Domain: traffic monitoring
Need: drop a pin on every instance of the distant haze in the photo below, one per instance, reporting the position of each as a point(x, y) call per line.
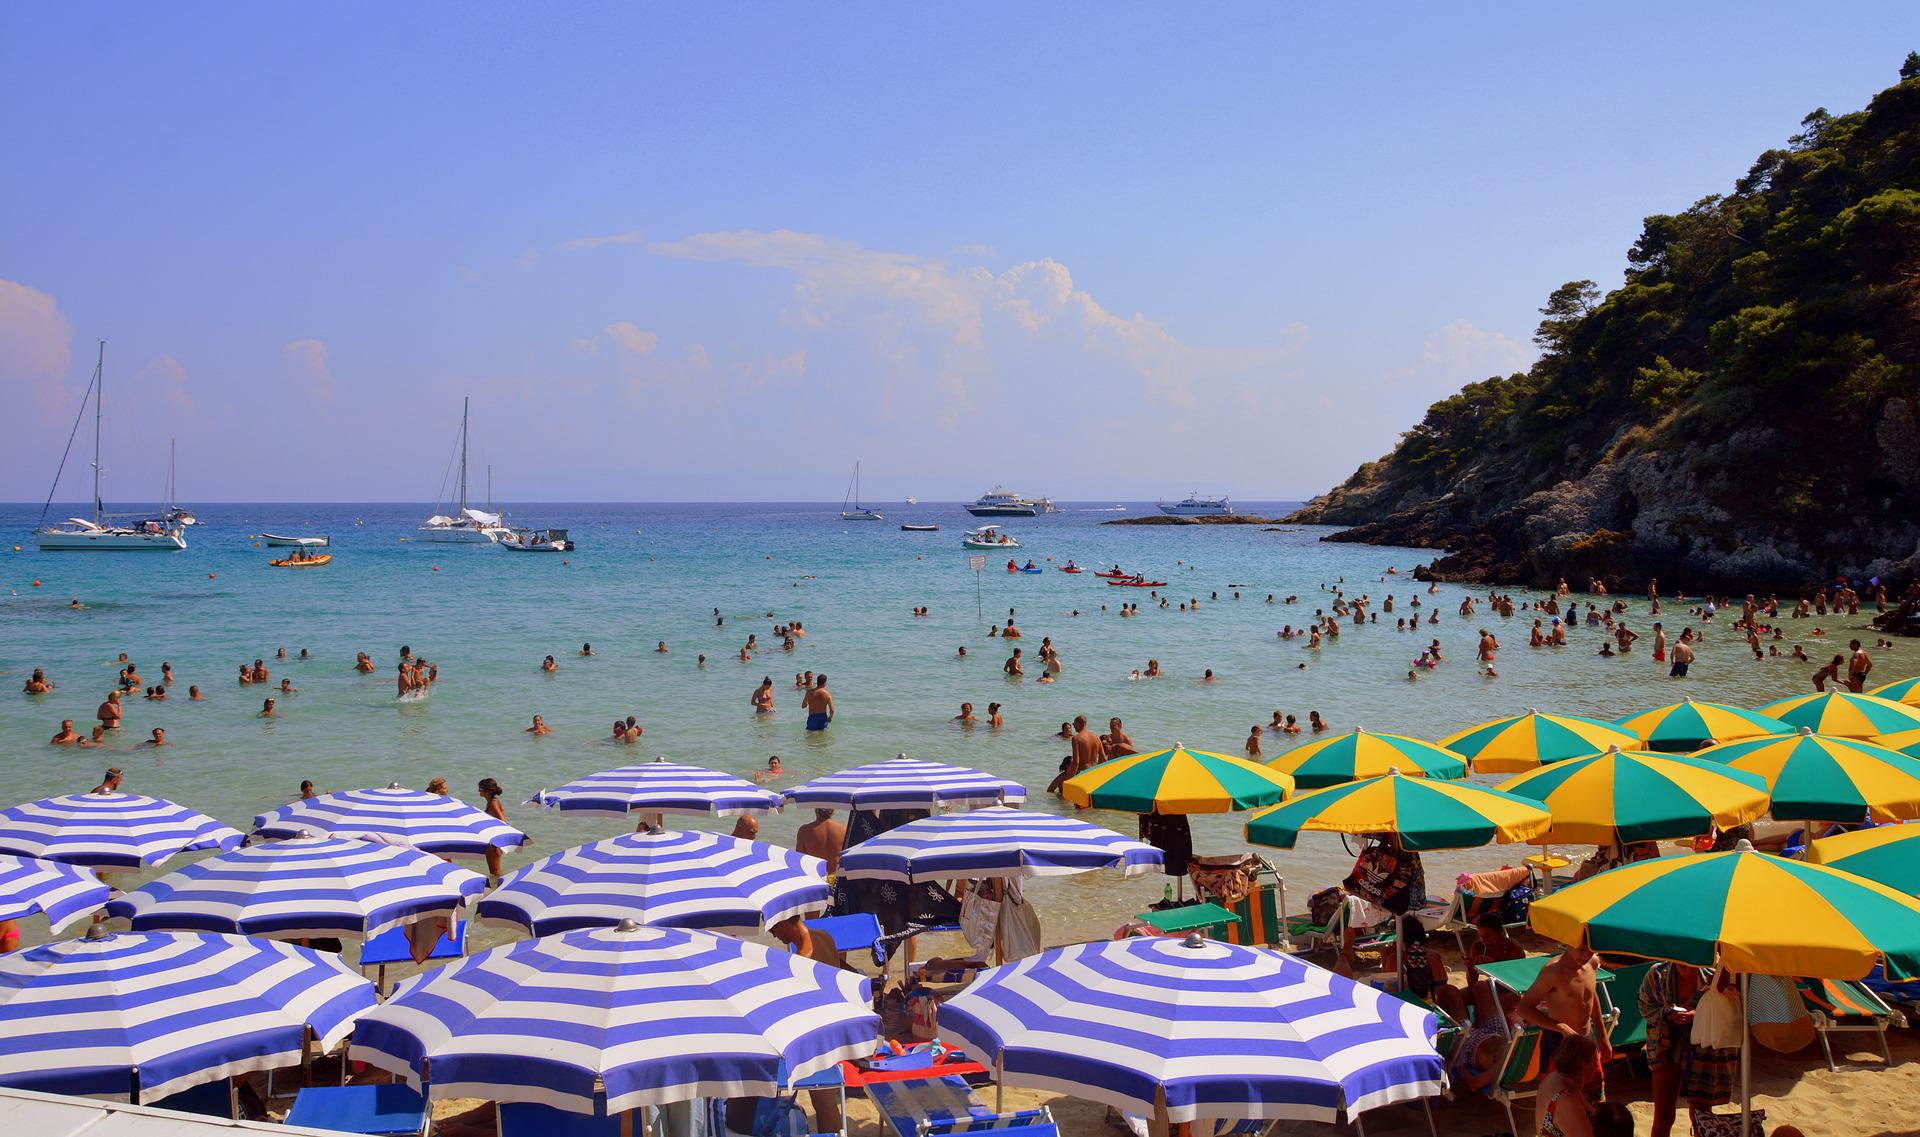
point(709, 253)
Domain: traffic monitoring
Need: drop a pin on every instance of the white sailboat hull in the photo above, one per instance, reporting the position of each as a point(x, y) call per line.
point(107, 540)
point(457, 535)
point(276, 541)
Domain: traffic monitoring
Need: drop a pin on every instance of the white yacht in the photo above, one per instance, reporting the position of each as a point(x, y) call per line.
point(466, 526)
point(98, 534)
point(1197, 506)
point(1002, 502)
point(850, 508)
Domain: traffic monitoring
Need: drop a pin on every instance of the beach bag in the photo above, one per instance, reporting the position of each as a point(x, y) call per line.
point(1777, 1014)
point(1322, 905)
point(1514, 905)
point(1718, 1020)
point(1707, 1123)
point(979, 916)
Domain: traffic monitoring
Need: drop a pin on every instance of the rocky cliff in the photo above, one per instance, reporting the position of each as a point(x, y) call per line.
point(1744, 412)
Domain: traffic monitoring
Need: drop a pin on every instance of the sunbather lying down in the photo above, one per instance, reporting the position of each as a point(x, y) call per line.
point(940, 964)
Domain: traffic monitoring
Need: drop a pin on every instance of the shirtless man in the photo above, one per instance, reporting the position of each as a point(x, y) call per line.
point(1858, 666)
point(1013, 667)
point(539, 726)
point(109, 712)
point(966, 715)
point(1564, 1001)
point(819, 704)
point(1253, 742)
point(1117, 743)
point(38, 683)
point(260, 674)
point(1682, 655)
point(1010, 632)
point(586, 650)
point(363, 663)
point(747, 828)
point(159, 737)
point(67, 736)
point(405, 680)
point(1087, 748)
point(109, 782)
point(763, 697)
point(822, 837)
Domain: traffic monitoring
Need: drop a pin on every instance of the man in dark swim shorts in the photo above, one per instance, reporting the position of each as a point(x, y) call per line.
point(819, 704)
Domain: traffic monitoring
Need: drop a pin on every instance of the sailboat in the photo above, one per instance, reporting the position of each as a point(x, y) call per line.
point(857, 512)
point(176, 512)
point(81, 534)
point(469, 526)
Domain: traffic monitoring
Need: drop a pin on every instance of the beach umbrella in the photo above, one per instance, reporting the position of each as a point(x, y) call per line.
point(148, 1014)
point(649, 1015)
point(110, 830)
point(1182, 1030)
point(1906, 742)
point(1424, 813)
point(1522, 742)
point(1363, 754)
point(1623, 796)
point(301, 888)
point(65, 893)
point(1814, 778)
point(1845, 714)
point(1887, 854)
point(699, 880)
point(431, 823)
point(995, 842)
point(1177, 780)
point(659, 786)
point(907, 783)
point(1903, 691)
point(1686, 726)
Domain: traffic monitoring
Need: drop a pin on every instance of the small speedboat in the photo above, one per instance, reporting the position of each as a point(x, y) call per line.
point(538, 541)
point(988, 537)
point(277, 541)
point(304, 560)
point(920, 528)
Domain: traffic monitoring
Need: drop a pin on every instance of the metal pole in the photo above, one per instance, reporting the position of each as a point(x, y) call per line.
point(99, 397)
point(1746, 1056)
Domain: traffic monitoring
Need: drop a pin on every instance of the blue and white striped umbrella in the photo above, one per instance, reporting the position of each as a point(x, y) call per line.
point(1224, 1031)
point(657, 1015)
point(708, 881)
point(992, 842)
point(65, 893)
point(907, 783)
point(111, 830)
point(660, 786)
point(302, 887)
point(88, 1016)
point(431, 823)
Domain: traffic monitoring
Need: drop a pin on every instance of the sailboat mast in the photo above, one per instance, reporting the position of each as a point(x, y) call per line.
point(463, 453)
point(99, 397)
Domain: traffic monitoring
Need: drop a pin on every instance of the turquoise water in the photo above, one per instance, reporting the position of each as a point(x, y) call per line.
point(646, 573)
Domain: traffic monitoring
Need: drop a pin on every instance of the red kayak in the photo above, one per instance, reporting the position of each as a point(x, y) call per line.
point(1138, 583)
point(1072, 570)
point(1112, 575)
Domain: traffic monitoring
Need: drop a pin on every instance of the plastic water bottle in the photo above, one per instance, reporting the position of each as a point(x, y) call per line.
point(1167, 896)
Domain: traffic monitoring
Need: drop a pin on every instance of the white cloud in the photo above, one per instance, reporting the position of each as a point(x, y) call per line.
point(170, 375)
point(533, 257)
point(1470, 352)
point(34, 335)
point(632, 337)
point(305, 362)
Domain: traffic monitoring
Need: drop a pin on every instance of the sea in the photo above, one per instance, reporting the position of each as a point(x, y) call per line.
point(644, 575)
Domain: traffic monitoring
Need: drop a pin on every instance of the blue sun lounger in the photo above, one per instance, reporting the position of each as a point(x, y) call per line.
point(939, 1107)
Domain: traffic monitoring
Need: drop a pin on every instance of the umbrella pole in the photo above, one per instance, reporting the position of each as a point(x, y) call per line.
point(1000, 1082)
point(1746, 1055)
point(1162, 1124)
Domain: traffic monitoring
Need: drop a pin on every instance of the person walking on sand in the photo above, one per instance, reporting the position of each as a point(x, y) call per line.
point(819, 704)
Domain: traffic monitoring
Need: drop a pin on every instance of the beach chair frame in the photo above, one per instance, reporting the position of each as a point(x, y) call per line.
point(1879, 1017)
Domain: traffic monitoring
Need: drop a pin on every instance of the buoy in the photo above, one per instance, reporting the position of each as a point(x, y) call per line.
point(16, 548)
point(210, 576)
point(36, 584)
point(566, 562)
point(436, 568)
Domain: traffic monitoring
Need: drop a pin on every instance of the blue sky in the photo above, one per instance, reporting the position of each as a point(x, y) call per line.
point(720, 251)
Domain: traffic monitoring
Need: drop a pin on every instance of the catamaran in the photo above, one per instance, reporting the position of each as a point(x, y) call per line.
point(1197, 506)
point(468, 526)
point(80, 534)
point(850, 507)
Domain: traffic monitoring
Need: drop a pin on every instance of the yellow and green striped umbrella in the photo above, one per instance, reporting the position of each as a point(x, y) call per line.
point(1845, 714)
point(1623, 796)
point(1906, 742)
point(1177, 780)
point(1686, 726)
point(1424, 813)
point(1886, 854)
point(1523, 742)
point(1905, 691)
point(1748, 911)
point(1814, 778)
point(1362, 754)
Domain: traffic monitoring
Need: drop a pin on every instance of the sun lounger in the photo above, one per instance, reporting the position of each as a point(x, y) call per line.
point(385, 1111)
point(1464, 912)
point(858, 932)
point(962, 972)
point(940, 1107)
point(1839, 1005)
point(392, 946)
point(1621, 993)
point(208, 1099)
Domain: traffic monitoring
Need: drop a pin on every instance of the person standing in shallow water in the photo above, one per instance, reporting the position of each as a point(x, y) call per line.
point(819, 704)
point(490, 792)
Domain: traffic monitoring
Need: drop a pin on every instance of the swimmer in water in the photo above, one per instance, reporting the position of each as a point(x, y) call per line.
point(762, 699)
point(539, 727)
point(67, 735)
point(993, 716)
point(1316, 722)
point(660, 648)
point(267, 711)
point(159, 737)
point(362, 663)
point(963, 651)
point(549, 665)
point(586, 649)
point(966, 714)
point(1253, 741)
point(286, 688)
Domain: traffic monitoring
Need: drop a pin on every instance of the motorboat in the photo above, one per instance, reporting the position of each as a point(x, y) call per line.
point(850, 507)
point(1002, 502)
point(280, 541)
point(466, 525)
point(920, 528)
point(1196, 506)
point(100, 534)
point(538, 541)
point(988, 537)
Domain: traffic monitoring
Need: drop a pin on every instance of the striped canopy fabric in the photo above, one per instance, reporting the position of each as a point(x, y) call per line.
point(1686, 726)
point(1423, 813)
point(1177, 780)
point(175, 1010)
point(65, 893)
point(1845, 714)
point(1624, 796)
point(1509, 745)
point(1226, 1031)
point(1813, 778)
point(659, 786)
point(1363, 754)
point(431, 823)
point(306, 886)
point(1906, 742)
point(708, 881)
point(996, 842)
point(1751, 912)
point(907, 783)
point(112, 830)
point(656, 1015)
point(1903, 691)
point(1888, 854)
